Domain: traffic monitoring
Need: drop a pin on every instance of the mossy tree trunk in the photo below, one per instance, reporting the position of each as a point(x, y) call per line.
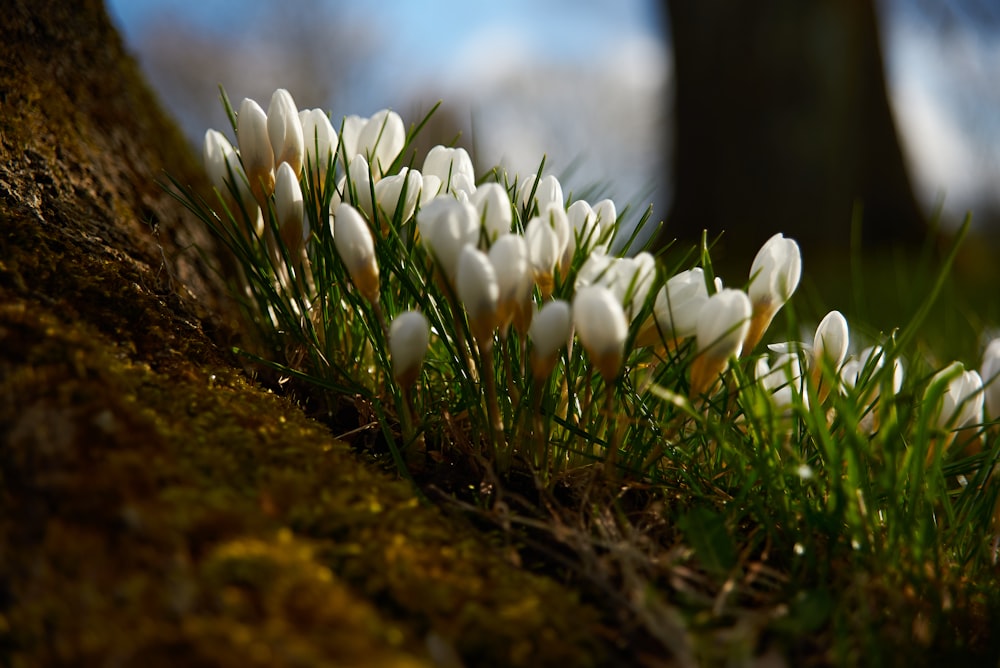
point(156, 508)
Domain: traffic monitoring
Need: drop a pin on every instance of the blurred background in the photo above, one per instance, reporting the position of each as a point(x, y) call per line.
point(734, 116)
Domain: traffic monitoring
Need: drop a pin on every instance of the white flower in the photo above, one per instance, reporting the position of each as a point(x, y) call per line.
point(350, 134)
point(782, 380)
point(284, 129)
point(409, 336)
point(445, 226)
point(723, 322)
point(389, 193)
point(678, 303)
point(320, 141)
point(381, 140)
point(831, 341)
point(453, 166)
point(961, 403)
point(493, 206)
point(509, 256)
point(585, 230)
point(356, 248)
point(601, 325)
point(545, 191)
point(358, 187)
point(543, 251)
point(477, 288)
point(774, 275)
point(990, 372)
point(551, 329)
point(632, 280)
point(222, 163)
point(288, 209)
point(255, 149)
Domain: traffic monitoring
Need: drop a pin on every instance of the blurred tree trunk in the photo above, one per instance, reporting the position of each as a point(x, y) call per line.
point(783, 125)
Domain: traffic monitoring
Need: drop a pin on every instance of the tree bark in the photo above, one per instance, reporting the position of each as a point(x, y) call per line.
point(156, 506)
point(783, 125)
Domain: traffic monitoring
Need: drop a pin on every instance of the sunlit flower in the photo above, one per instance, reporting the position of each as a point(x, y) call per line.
point(399, 193)
point(600, 323)
point(453, 166)
point(678, 303)
point(356, 248)
point(544, 252)
point(288, 209)
point(961, 403)
point(782, 380)
point(320, 140)
point(493, 206)
point(551, 329)
point(284, 129)
point(255, 149)
point(829, 349)
point(536, 194)
point(445, 226)
point(509, 255)
point(357, 189)
point(381, 140)
point(774, 275)
point(222, 163)
point(478, 291)
point(723, 322)
point(409, 336)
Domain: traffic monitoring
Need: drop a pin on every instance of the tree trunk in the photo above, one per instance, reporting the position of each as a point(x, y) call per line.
point(783, 125)
point(157, 508)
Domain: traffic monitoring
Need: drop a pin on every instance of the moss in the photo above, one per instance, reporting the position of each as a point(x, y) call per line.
point(156, 507)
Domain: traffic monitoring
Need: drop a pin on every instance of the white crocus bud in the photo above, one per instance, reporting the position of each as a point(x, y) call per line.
point(478, 291)
point(990, 373)
point(509, 256)
point(961, 403)
point(398, 193)
point(551, 329)
point(678, 303)
point(544, 252)
point(409, 337)
point(774, 275)
point(255, 149)
point(547, 190)
point(381, 140)
point(493, 206)
point(585, 231)
point(782, 380)
point(350, 134)
point(284, 129)
point(723, 322)
point(445, 226)
point(633, 279)
point(356, 247)
point(431, 188)
point(358, 189)
point(320, 141)
point(288, 209)
point(222, 163)
point(453, 166)
point(600, 323)
point(829, 349)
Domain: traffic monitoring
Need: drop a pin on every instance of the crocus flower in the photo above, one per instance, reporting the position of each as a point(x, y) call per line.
point(284, 129)
point(509, 256)
point(381, 140)
point(493, 206)
point(358, 187)
point(961, 403)
point(774, 275)
point(445, 226)
point(478, 291)
point(222, 163)
point(453, 166)
point(356, 248)
point(320, 141)
point(544, 252)
point(723, 322)
point(255, 149)
point(829, 349)
point(782, 380)
point(547, 190)
point(409, 336)
point(551, 329)
point(585, 231)
point(288, 209)
point(600, 322)
point(990, 372)
point(678, 303)
point(398, 193)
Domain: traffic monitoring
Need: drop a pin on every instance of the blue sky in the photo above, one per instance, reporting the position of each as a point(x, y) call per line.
point(581, 79)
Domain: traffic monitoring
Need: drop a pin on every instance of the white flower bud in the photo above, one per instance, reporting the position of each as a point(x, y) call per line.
point(222, 163)
point(284, 129)
point(320, 141)
point(961, 404)
point(551, 329)
point(453, 166)
point(409, 337)
point(601, 325)
point(678, 303)
point(445, 226)
point(991, 377)
point(493, 206)
point(359, 185)
point(543, 252)
point(381, 140)
point(288, 209)
point(509, 256)
point(723, 321)
point(356, 248)
point(774, 275)
point(478, 291)
point(255, 149)
point(547, 190)
point(389, 193)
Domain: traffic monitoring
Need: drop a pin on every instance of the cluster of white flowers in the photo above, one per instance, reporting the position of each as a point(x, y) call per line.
point(507, 255)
